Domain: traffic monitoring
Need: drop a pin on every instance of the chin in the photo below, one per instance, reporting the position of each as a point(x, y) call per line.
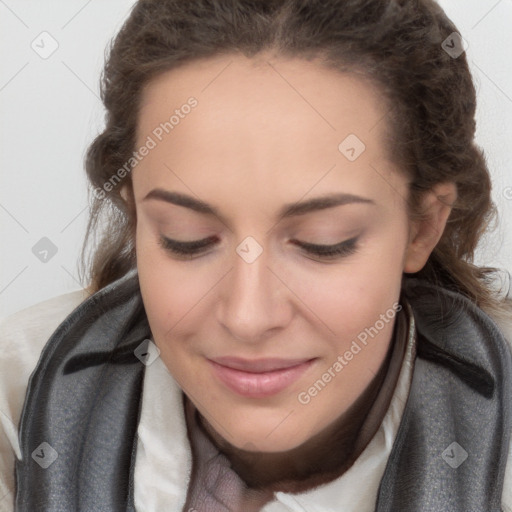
point(270, 437)
point(262, 445)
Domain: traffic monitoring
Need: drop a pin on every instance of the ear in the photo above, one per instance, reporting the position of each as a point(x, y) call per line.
point(425, 233)
point(124, 193)
point(128, 196)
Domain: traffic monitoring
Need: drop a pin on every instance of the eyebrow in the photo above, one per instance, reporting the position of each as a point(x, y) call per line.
point(288, 210)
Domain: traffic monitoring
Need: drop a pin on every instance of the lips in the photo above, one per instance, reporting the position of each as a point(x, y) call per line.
point(258, 378)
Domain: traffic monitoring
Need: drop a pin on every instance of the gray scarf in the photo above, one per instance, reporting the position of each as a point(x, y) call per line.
point(84, 400)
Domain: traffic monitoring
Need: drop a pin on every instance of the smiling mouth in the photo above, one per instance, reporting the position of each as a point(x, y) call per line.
point(258, 378)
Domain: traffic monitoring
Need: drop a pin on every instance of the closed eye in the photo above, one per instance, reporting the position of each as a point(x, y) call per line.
point(330, 251)
point(188, 250)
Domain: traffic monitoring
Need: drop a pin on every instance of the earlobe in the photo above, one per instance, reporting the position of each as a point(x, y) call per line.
point(426, 233)
point(128, 197)
point(124, 193)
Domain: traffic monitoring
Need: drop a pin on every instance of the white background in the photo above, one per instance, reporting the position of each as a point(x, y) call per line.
point(50, 111)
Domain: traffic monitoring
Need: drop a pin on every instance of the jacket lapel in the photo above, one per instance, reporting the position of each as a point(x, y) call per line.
point(79, 420)
point(452, 443)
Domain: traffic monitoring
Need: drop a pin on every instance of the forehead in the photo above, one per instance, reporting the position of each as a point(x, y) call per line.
point(269, 89)
point(264, 118)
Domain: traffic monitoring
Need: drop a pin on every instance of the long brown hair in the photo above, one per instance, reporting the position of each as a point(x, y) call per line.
point(396, 44)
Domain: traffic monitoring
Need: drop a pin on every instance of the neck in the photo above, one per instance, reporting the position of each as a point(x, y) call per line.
point(331, 452)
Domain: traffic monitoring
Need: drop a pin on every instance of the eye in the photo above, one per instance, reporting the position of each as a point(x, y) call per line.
point(339, 250)
point(186, 249)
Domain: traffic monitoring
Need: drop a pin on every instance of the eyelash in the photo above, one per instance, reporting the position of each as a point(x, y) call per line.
point(187, 250)
point(340, 250)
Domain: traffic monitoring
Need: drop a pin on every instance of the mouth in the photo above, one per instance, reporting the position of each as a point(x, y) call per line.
point(258, 378)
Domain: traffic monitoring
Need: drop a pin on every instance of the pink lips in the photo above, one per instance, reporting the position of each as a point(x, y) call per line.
point(258, 378)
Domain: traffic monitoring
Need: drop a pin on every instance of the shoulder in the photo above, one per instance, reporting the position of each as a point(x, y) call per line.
point(504, 323)
point(43, 314)
point(23, 336)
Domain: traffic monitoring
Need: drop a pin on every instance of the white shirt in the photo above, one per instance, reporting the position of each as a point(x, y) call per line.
point(162, 469)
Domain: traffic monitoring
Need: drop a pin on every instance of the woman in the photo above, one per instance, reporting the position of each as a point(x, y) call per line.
point(283, 314)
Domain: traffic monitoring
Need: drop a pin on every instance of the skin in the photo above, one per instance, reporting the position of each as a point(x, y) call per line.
point(265, 133)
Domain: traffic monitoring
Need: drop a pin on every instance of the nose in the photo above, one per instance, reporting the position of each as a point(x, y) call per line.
point(253, 304)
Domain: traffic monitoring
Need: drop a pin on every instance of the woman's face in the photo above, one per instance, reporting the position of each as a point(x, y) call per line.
point(271, 341)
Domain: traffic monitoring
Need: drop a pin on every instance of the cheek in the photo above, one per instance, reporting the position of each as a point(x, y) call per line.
point(171, 299)
point(353, 294)
point(357, 304)
point(167, 292)
point(177, 297)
